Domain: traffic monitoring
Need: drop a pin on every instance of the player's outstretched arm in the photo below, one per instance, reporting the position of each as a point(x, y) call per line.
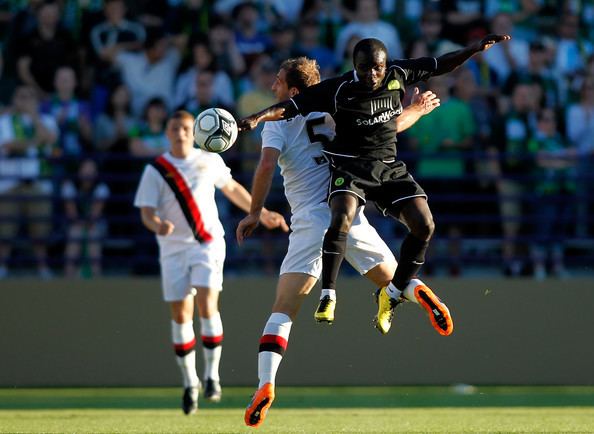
point(282, 110)
point(420, 105)
point(450, 61)
point(260, 188)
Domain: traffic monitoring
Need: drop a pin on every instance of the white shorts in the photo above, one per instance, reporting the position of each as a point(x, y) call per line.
point(365, 248)
point(197, 266)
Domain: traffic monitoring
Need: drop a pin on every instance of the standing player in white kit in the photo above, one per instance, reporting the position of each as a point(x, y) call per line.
point(296, 145)
point(176, 197)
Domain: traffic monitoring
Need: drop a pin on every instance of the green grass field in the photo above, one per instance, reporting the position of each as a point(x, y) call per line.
point(303, 410)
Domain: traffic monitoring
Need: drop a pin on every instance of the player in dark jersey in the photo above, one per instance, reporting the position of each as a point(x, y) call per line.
point(364, 164)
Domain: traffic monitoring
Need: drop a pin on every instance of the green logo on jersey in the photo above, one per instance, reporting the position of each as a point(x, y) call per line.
point(393, 85)
point(339, 182)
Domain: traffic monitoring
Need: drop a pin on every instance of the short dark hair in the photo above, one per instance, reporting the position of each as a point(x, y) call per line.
point(301, 72)
point(368, 46)
point(182, 115)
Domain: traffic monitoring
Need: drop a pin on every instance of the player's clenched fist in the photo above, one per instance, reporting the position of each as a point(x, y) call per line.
point(165, 228)
point(273, 220)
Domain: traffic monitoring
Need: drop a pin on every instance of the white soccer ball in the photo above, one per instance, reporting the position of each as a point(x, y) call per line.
point(215, 130)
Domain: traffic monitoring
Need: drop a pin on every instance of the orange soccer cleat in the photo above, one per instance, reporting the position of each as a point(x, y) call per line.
point(438, 312)
point(255, 413)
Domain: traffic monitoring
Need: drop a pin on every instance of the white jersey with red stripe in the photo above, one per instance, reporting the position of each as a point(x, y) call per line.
point(303, 166)
point(202, 172)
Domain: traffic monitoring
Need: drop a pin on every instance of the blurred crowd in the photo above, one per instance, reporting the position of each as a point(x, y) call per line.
point(86, 87)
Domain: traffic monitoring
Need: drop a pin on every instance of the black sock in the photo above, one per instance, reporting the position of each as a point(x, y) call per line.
point(333, 250)
point(412, 257)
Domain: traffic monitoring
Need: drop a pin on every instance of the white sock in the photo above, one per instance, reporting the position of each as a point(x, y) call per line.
point(393, 292)
point(409, 291)
point(211, 330)
point(328, 292)
point(184, 344)
point(273, 344)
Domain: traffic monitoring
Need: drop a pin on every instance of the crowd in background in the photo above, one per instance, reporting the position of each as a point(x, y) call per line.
point(86, 87)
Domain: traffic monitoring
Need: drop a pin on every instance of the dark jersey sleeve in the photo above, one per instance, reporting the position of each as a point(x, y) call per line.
point(319, 97)
point(419, 69)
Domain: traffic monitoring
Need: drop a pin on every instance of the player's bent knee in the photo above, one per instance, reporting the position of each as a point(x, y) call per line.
point(424, 230)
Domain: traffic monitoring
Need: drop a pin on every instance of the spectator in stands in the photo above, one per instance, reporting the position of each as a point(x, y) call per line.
point(486, 78)
point(430, 42)
point(19, 24)
point(26, 136)
point(250, 40)
point(554, 186)
point(73, 118)
point(202, 60)
point(108, 38)
point(537, 71)
point(483, 162)
point(258, 95)
point(572, 52)
point(111, 138)
point(282, 45)
point(41, 52)
point(462, 18)
point(206, 95)
point(515, 53)
point(309, 45)
point(224, 48)
point(347, 61)
point(84, 200)
point(150, 73)
point(580, 132)
point(366, 23)
point(148, 138)
point(112, 127)
point(515, 167)
point(443, 140)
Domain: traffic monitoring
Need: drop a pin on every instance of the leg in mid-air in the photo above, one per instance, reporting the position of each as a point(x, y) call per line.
point(343, 206)
point(416, 215)
point(211, 334)
point(184, 345)
point(290, 292)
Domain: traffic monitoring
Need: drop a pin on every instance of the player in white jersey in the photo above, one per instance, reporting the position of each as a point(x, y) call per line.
point(296, 145)
point(176, 197)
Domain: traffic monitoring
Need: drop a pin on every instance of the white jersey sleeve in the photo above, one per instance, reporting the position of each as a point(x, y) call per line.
point(222, 170)
point(273, 137)
point(149, 188)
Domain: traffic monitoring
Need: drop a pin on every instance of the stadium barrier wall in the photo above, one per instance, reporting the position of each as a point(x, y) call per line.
point(116, 332)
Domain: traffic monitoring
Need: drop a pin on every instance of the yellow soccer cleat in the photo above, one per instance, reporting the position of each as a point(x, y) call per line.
point(325, 310)
point(385, 310)
point(438, 312)
point(255, 413)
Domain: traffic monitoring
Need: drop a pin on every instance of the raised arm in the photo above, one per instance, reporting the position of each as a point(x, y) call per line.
point(420, 105)
point(282, 110)
point(450, 61)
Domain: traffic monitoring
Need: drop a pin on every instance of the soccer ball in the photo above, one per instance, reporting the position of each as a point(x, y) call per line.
point(215, 130)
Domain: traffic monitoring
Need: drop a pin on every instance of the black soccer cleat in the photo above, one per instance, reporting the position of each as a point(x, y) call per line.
point(212, 390)
point(190, 400)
